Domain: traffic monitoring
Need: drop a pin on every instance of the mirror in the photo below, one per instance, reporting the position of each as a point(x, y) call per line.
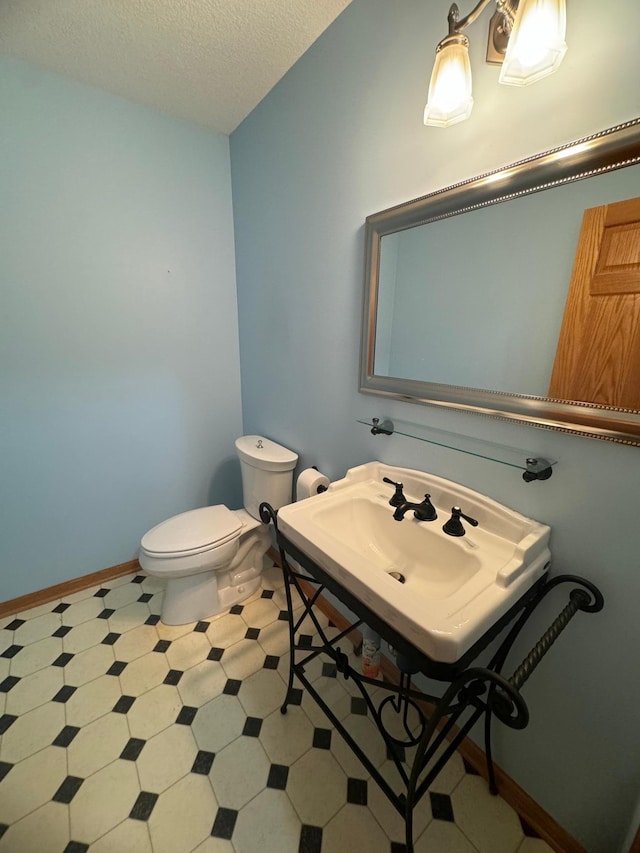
point(465, 288)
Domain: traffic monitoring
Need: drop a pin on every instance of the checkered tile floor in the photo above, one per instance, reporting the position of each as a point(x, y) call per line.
point(119, 734)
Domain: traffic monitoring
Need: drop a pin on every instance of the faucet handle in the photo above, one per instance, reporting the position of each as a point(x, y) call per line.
point(454, 526)
point(426, 510)
point(398, 498)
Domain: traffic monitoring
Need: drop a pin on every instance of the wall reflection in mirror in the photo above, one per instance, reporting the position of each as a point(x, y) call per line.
point(478, 299)
point(465, 290)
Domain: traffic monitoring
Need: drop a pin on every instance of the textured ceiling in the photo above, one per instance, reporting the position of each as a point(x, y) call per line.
point(209, 61)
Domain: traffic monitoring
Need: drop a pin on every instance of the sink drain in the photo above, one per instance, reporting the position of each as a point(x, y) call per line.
point(397, 576)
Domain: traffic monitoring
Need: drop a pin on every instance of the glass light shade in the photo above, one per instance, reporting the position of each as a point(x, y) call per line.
point(450, 98)
point(536, 46)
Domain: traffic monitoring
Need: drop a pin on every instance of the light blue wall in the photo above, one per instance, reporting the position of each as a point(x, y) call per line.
point(119, 378)
point(341, 137)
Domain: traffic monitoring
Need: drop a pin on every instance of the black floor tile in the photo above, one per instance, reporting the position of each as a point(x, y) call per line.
point(132, 749)
point(396, 847)
point(322, 738)
point(101, 593)
point(117, 667)
point(329, 670)
point(14, 625)
point(6, 720)
point(202, 627)
point(105, 614)
point(295, 696)
point(305, 641)
point(62, 631)
point(143, 806)
point(138, 579)
point(63, 659)
point(232, 687)
point(64, 694)
point(236, 609)
point(11, 652)
point(441, 806)
point(60, 608)
point(9, 682)
point(252, 727)
point(278, 775)
point(267, 593)
point(283, 616)
point(203, 762)
point(224, 823)
point(215, 654)
point(3, 828)
point(187, 715)
point(5, 767)
point(123, 704)
point(252, 633)
point(110, 639)
point(152, 620)
point(271, 662)
point(358, 706)
point(66, 735)
point(146, 596)
point(357, 792)
point(173, 676)
point(76, 847)
point(162, 645)
point(310, 839)
point(67, 791)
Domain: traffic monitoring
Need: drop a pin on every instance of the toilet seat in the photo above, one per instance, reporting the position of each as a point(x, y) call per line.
point(192, 532)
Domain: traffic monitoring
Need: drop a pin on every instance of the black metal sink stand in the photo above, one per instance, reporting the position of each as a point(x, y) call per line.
point(473, 691)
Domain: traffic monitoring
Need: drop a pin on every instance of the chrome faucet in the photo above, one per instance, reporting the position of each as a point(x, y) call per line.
point(424, 511)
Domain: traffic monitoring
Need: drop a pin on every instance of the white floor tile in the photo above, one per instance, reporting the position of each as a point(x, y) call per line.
point(202, 683)
point(286, 737)
point(35, 656)
point(92, 700)
point(317, 787)
point(239, 772)
point(46, 828)
point(34, 690)
point(154, 711)
point(93, 812)
point(268, 824)
point(243, 659)
point(130, 836)
point(37, 629)
point(354, 828)
point(488, 822)
point(183, 815)
point(166, 757)
point(218, 723)
point(32, 732)
point(31, 783)
point(97, 744)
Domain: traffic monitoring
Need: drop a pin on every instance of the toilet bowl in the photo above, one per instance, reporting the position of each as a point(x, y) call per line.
point(211, 558)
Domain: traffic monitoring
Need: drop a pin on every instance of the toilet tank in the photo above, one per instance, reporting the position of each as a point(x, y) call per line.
point(267, 472)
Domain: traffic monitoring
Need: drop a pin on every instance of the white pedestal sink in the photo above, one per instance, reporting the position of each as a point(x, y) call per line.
point(455, 588)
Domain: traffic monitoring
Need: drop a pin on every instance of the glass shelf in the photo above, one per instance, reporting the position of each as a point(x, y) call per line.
point(533, 466)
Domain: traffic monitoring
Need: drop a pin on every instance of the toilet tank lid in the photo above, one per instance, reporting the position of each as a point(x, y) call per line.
point(265, 454)
point(196, 529)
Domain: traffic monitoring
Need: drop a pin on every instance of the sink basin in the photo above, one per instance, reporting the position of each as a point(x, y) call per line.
point(454, 589)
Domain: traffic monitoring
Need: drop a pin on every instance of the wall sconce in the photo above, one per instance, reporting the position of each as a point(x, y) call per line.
point(526, 37)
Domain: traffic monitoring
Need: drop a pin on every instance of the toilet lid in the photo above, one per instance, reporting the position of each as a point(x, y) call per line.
point(196, 530)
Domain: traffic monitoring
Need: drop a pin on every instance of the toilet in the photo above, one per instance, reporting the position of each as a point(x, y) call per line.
point(211, 558)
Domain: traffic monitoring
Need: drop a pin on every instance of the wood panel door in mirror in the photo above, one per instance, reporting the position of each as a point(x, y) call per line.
point(598, 354)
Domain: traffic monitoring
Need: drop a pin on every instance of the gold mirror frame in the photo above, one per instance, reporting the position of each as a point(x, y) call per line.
point(614, 148)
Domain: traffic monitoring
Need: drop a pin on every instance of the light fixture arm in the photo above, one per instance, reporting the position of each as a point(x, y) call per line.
point(507, 8)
